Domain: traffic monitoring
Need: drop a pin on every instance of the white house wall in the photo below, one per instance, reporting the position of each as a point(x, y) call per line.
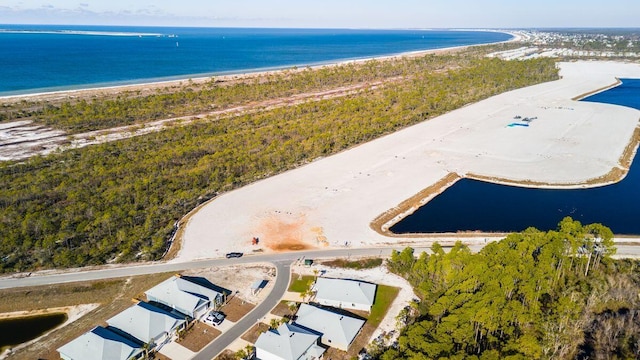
point(343, 305)
point(265, 355)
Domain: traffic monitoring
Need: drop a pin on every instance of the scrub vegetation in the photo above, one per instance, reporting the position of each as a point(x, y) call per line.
point(360, 264)
point(119, 201)
point(532, 295)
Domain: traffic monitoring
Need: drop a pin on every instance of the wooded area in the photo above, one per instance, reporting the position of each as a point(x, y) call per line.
point(119, 201)
point(532, 295)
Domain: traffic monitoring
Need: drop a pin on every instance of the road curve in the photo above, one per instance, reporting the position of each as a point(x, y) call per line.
point(283, 275)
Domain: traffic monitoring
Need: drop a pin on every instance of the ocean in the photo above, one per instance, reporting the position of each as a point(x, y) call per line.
point(42, 58)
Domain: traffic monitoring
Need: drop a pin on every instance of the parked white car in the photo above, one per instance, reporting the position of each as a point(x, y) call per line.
point(214, 318)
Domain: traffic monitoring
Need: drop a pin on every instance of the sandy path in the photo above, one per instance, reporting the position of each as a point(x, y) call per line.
point(332, 201)
point(23, 139)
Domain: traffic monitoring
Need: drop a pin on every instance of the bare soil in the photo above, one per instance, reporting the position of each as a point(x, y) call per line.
point(226, 355)
point(237, 308)
point(238, 280)
point(279, 234)
point(252, 334)
point(282, 310)
point(198, 336)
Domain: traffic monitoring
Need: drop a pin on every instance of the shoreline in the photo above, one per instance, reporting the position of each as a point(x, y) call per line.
point(242, 74)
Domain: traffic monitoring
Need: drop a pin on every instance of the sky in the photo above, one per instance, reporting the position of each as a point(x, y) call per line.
point(379, 14)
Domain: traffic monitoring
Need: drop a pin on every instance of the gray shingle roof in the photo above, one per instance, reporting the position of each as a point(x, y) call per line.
point(181, 294)
point(289, 342)
point(145, 322)
point(101, 344)
point(338, 330)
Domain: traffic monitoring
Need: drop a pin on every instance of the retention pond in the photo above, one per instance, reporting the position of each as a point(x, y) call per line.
point(17, 330)
point(471, 205)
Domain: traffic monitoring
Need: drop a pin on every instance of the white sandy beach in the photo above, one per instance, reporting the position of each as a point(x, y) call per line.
point(332, 201)
point(97, 89)
point(22, 139)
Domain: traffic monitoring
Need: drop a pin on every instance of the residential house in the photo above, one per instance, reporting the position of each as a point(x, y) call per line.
point(337, 330)
point(345, 294)
point(147, 323)
point(288, 342)
point(101, 344)
point(186, 296)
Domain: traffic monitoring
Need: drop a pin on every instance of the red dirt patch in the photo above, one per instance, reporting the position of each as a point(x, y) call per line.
point(285, 233)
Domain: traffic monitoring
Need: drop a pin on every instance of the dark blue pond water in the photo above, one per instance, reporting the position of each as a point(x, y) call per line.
point(14, 331)
point(476, 205)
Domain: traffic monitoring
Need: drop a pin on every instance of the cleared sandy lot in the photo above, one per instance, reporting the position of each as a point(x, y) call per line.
point(332, 201)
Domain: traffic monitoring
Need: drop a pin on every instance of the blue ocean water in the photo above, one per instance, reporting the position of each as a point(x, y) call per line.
point(475, 205)
point(37, 58)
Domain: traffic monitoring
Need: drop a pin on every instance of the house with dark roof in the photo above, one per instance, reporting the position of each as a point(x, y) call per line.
point(185, 296)
point(147, 323)
point(101, 344)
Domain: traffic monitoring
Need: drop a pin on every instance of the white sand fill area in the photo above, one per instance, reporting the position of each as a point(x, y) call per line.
point(331, 202)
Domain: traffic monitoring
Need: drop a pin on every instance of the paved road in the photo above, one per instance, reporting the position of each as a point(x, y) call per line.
point(283, 275)
point(632, 251)
point(282, 262)
point(116, 272)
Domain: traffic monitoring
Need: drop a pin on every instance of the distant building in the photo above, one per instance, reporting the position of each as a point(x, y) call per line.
point(101, 344)
point(288, 342)
point(185, 296)
point(257, 286)
point(337, 330)
point(346, 294)
point(147, 323)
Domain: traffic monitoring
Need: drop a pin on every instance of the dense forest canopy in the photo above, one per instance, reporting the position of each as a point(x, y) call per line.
point(119, 201)
point(532, 295)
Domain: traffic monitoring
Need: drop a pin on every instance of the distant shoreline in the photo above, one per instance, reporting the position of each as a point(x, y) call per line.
point(178, 80)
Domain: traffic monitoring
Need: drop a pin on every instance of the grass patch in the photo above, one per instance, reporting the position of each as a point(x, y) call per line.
point(384, 297)
point(301, 283)
point(366, 263)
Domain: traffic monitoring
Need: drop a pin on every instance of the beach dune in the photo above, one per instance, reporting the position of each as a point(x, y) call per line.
point(331, 202)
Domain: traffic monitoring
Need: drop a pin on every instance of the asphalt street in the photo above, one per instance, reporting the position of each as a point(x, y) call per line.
point(75, 275)
point(225, 339)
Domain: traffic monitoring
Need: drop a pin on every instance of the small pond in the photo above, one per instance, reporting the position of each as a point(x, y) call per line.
point(15, 331)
